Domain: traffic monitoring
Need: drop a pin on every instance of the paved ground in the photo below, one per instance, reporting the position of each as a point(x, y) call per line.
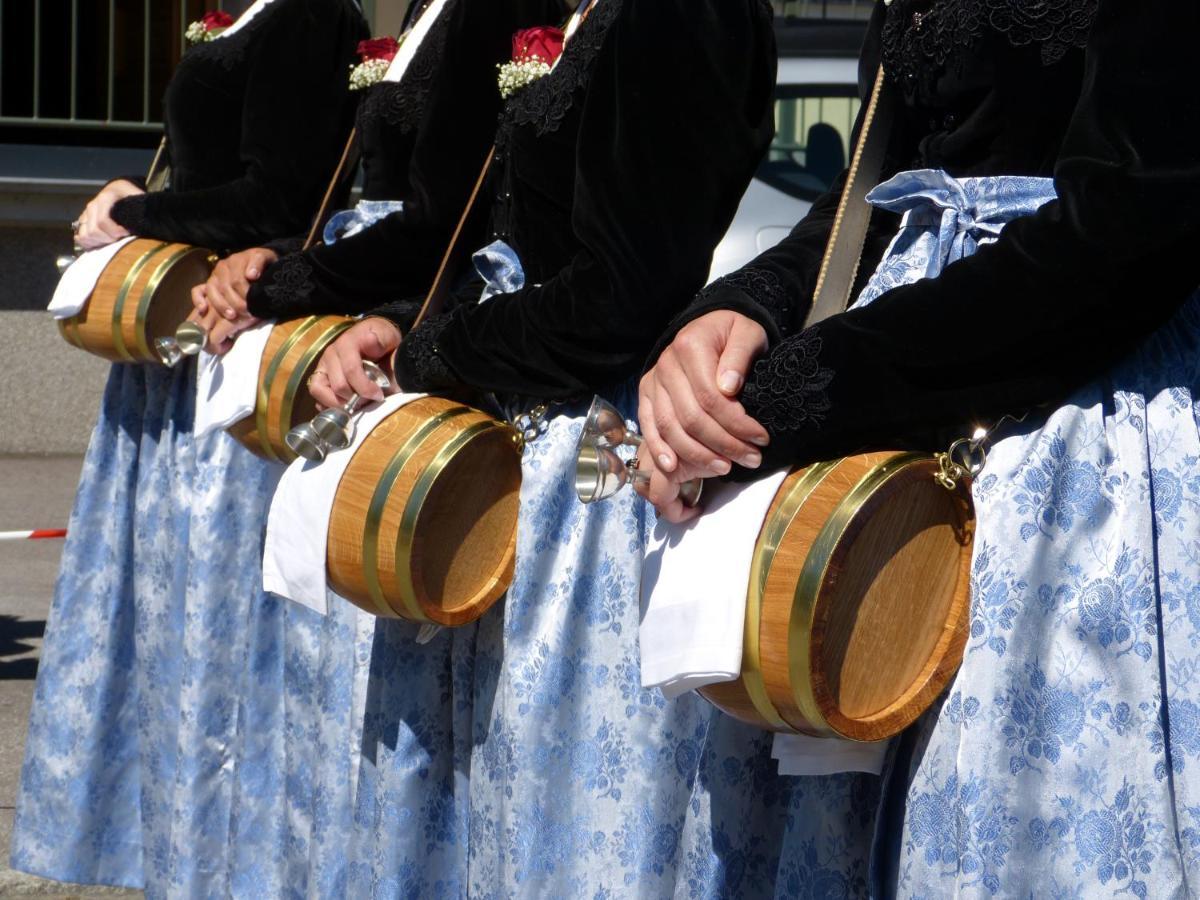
point(56, 411)
point(34, 493)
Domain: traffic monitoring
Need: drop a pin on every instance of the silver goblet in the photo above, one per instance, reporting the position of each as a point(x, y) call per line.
point(332, 429)
point(189, 340)
point(600, 472)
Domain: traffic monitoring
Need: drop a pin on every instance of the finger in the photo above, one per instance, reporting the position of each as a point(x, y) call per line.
point(226, 300)
point(335, 376)
point(351, 360)
point(110, 229)
point(260, 258)
point(658, 449)
point(704, 431)
point(747, 341)
point(321, 390)
point(664, 495)
point(686, 449)
point(220, 338)
point(200, 299)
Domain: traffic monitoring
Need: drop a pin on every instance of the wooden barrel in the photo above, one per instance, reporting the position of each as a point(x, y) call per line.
point(424, 523)
point(858, 603)
point(292, 353)
point(144, 293)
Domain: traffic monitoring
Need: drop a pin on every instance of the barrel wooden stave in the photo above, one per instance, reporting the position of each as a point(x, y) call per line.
point(143, 293)
point(842, 591)
point(447, 559)
point(292, 353)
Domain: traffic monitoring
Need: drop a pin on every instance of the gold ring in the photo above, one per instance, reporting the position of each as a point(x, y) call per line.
point(309, 381)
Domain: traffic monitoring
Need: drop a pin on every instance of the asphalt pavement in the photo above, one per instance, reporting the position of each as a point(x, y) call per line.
point(35, 492)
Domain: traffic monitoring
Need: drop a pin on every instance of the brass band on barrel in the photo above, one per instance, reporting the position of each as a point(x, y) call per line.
point(812, 578)
point(310, 355)
point(416, 500)
point(118, 309)
point(764, 556)
point(147, 296)
point(262, 407)
point(374, 518)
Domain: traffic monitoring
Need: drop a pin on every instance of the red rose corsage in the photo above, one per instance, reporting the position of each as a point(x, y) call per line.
point(208, 26)
point(535, 51)
point(376, 57)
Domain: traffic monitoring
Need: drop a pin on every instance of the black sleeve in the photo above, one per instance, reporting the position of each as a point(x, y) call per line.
point(1060, 297)
point(676, 117)
point(776, 288)
point(297, 114)
point(399, 255)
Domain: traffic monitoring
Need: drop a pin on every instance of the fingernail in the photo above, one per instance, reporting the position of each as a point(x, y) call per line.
point(752, 460)
point(760, 441)
point(720, 467)
point(730, 382)
point(665, 462)
point(252, 272)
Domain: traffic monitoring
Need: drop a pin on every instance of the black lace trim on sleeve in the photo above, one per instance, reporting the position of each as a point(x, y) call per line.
point(787, 391)
point(922, 39)
point(763, 286)
point(419, 364)
point(289, 280)
point(545, 103)
point(402, 103)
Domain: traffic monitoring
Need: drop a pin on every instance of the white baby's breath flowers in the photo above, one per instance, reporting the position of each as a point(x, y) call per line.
point(368, 73)
point(198, 33)
point(517, 75)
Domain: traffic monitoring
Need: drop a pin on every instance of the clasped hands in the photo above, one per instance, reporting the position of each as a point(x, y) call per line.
point(219, 305)
point(692, 421)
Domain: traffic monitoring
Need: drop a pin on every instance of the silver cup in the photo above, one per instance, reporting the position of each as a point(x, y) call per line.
point(332, 429)
point(600, 472)
point(189, 340)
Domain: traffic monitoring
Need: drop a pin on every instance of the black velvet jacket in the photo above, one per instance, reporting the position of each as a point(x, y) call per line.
point(616, 175)
point(255, 124)
point(1097, 94)
point(423, 141)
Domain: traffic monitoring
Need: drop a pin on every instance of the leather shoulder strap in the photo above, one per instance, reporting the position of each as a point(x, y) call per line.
point(844, 251)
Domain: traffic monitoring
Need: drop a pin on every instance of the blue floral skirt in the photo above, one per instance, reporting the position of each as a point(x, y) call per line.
point(138, 713)
point(1064, 760)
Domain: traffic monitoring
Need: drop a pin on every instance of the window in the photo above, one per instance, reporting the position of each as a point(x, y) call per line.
point(813, 124)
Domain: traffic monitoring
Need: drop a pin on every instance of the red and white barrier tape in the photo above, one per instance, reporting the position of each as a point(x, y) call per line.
point(37, 534)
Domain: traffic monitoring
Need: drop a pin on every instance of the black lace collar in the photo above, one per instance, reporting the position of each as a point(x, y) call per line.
point(230, 51)
point(546, 102)
point(923, 38)
point(402, 103)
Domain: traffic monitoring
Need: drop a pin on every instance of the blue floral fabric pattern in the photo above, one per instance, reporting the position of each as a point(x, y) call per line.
point(138, 704)
point(1060, 763)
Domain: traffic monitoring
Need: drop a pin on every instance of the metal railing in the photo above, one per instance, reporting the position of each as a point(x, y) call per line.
point(91, 63)
point(824, 9)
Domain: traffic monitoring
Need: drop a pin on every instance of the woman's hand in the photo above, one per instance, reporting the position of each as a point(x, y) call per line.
point(229, 284)
point(340, 373)
point(96, 226)
point(693, 424)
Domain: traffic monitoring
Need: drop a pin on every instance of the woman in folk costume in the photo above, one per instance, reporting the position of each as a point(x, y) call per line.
point(1043, 268)
point(136, 702)
point(424, 138)
point(520, 756)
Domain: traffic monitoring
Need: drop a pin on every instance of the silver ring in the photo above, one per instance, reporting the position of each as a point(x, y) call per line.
point(75, 226)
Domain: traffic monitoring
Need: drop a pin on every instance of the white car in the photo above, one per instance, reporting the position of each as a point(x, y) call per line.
point(816, 101)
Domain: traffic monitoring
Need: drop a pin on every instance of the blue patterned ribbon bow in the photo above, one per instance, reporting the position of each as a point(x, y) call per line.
point(349, 222)
point(947, 219)
point(500, 267)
